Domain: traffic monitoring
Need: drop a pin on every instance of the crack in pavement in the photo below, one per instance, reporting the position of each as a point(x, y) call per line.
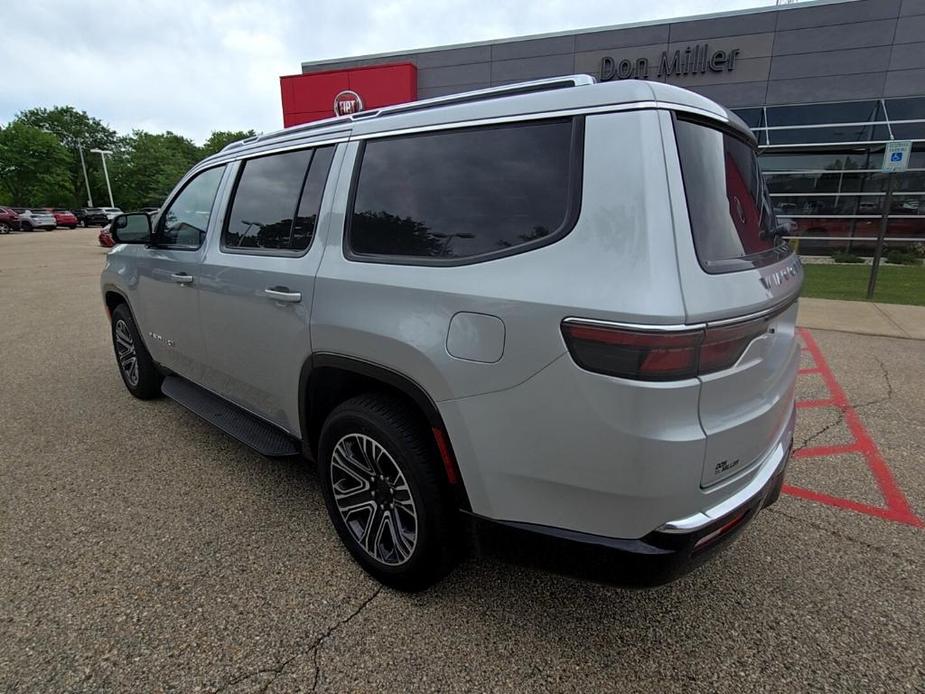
point(314, 650)
point(878, 549)
point(841, 409)
point(316, 647)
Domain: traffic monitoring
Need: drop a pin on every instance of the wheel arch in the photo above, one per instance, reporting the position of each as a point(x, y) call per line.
point(327, 379)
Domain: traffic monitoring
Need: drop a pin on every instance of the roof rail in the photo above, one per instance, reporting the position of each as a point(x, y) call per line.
point(515, 89)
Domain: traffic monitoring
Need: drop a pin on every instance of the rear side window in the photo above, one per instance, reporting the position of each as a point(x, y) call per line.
point(276, 201)
point(731, 216)
point(456, 196)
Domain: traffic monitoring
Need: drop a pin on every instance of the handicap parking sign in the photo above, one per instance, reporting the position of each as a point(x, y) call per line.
point(896, 156)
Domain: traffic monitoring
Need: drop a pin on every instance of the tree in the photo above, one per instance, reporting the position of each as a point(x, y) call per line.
point(33, 166)
point(146, 166)
point(72, 128)
point(218, 139)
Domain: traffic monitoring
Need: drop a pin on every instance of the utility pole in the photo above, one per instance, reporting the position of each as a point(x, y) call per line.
point(103, 153)
point(83, 165)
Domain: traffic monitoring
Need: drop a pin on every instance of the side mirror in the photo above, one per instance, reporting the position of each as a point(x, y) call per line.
point(134, 227)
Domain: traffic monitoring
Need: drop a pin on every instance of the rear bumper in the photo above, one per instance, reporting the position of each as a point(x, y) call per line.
point(663, 555)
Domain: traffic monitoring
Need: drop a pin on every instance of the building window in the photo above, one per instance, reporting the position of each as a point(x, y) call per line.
point(822, 166)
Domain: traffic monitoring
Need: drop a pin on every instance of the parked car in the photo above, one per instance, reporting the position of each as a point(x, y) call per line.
point(34, 218)
point(111, 212)
point(64, 218)
point(558, 307)
point(105, 237)
point(93, 216)
point(9, 220)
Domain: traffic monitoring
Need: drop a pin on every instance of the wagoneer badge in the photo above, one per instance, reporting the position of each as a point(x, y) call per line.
point(776, 279)
point(347, 102)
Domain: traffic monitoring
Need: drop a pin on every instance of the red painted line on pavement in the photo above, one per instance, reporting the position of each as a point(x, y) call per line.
point(897, 507)
point(838, 502)
point(806, 404)
point(810, 370)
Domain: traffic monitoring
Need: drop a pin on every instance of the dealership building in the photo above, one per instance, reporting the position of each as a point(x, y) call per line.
point(825, 85)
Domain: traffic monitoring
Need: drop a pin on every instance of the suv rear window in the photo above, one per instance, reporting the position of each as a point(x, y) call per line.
point(480, 192)
point(731, 216)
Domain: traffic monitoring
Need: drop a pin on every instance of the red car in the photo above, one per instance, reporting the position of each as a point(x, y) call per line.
point(9, 220)
point(105, 238)
point(64, 218)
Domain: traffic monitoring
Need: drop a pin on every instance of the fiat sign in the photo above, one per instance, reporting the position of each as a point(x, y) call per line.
point(347, 102)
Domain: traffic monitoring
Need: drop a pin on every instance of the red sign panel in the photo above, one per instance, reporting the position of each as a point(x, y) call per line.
point(312, 96)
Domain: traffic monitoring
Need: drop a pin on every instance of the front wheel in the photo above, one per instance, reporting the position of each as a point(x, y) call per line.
point(136, 366)
point(384, 490)
point(5, 228)
point(26, 226)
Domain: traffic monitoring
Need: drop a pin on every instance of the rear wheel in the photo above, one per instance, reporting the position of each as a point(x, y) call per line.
point(5, 228)
point(136, 366)
point(384, 491)
point(26, 226)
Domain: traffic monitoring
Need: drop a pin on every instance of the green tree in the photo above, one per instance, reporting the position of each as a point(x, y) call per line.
point(75, 128)
point(146, 166)
point(33, 166)
point(218, 139)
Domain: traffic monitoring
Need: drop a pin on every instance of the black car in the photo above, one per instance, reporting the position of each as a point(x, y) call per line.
point(92, 216)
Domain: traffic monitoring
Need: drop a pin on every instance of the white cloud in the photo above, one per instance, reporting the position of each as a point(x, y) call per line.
point(195, 66)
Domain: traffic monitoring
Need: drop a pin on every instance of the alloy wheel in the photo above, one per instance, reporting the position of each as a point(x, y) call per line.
point(373, 499)
point(125, 352)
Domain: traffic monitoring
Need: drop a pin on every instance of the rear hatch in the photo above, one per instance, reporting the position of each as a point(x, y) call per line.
point(740, 279)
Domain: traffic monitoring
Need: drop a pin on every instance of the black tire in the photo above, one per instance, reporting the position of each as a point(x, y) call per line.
point(394, 426)
point(26, 226)
point(141, 378)
point(4, 228)
point(71, 226)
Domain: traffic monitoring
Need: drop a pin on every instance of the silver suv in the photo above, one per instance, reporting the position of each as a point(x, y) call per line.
point(560, 309)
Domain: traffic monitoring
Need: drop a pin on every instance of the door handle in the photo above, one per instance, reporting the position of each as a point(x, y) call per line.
point(283, 294)
point(182, 278)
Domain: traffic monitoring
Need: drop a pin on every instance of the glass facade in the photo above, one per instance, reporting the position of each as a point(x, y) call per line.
point(822, 166)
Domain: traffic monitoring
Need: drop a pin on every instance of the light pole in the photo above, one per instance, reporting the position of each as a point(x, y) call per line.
point(103, 153)
point(83, 165)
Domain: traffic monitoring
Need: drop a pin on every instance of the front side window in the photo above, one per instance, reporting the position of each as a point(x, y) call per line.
point(185, 221)
point(478, 192)
point(276, 201)
point(732, 219)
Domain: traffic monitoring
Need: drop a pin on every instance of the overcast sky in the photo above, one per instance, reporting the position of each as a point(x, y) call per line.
point(193, 66)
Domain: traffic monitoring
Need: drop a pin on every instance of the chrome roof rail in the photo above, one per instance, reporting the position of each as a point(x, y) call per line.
point(515, 89)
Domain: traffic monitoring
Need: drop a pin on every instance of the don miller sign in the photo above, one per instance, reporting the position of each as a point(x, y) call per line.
point(693, 60)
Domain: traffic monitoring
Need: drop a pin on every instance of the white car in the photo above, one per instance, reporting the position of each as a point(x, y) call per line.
point(112, 212)
point(31, 219)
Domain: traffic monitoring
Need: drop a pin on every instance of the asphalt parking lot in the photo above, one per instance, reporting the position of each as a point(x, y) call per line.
point(143, 550)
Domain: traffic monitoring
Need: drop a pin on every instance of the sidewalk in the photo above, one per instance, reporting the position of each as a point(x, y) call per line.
point(867, 318)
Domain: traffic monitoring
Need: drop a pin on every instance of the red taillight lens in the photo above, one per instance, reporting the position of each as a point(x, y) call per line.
point(635, 354)
point(655, 355)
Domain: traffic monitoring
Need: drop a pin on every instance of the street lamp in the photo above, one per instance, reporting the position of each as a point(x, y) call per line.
point(103, 153)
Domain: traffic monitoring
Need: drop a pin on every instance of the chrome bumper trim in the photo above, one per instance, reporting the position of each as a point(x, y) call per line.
point(768, 470)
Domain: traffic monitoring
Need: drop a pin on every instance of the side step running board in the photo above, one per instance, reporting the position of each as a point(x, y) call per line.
point(245, 427)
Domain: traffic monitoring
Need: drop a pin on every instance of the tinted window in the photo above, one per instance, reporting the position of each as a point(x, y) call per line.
point(730, 211)
point(464, 193)
point(303, 229)
point(265, 201)
point(276, 204)
point(845, 112)
point(187, 218)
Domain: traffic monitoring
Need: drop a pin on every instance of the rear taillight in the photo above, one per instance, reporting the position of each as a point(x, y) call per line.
point(653, 355)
